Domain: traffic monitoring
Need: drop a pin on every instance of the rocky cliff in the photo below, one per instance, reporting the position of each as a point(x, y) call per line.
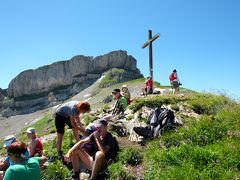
point(34, 89)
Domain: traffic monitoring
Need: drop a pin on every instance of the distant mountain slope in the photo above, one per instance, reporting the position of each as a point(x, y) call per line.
point(35, 89)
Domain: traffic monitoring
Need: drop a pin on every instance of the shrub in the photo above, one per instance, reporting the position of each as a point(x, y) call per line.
point(87, 118)
point(208, 103)
point(130, 156)
point(112, 76)
point(156, 101)
point(56, 171)
point(175, 107)
point(117, 172)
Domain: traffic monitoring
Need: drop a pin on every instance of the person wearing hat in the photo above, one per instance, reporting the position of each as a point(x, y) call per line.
point(126, 93)
point(68, 113)
point(8, 140)
point(35, 146)
point(24, 168)
point(120, 104)
point(104, 147)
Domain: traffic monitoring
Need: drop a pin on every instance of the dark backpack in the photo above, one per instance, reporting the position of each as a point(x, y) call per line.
point(113, 151)
point(158, 119)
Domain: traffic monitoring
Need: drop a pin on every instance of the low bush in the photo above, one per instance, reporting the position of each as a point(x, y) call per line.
point(56, 171)
point(117, 172)
point(130, 156)
point(210, 104)
point(156, 101)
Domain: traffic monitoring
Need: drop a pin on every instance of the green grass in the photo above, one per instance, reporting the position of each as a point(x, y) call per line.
point(111, 77)
point(203, 149)
point(43, 127)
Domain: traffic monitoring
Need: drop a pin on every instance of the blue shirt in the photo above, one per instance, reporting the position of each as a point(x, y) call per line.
point(10, 161)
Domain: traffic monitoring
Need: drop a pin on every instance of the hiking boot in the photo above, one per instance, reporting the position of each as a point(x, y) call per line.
point(60, 156)
point(75, 175)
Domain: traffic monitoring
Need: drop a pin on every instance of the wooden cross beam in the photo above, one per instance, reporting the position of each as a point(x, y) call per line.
point(149, 44)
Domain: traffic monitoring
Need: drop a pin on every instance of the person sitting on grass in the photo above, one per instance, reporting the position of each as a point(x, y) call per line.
point(24, 168)
point(120, 104)
point(8, 140)
point(126, 93)
point(35, 146)
point(105, 147)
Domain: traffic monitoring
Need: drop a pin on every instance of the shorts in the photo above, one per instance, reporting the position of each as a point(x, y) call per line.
point(175, 84)
point(60, 122)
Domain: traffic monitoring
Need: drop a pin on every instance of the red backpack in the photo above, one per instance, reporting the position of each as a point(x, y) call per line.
point(171, 77)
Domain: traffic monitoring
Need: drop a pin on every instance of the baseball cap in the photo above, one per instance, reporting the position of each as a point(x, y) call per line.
point(30, 130)
point(116, 91)
point(124, 86)
point(101, 122)
point(8, 140)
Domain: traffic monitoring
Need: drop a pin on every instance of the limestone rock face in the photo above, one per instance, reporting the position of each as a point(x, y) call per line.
point(67, 73)
point(3, 93)
point(42, 87)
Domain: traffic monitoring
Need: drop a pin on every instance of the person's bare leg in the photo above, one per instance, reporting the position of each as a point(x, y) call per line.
point(98, 164)
point(80, 154)
point(59, 141)
point(75, 134)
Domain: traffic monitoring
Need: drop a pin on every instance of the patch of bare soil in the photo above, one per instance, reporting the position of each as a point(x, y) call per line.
point(124, 142)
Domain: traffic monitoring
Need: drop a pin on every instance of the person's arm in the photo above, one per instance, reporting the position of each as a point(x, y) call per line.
point(76, 123)
point(124, 103)
point(4, 165)
point(73, 121)
point(115, 108)
point(9, 175)
point(80, 143)
point(101, 148)
point(32, 147)
point(43, 159)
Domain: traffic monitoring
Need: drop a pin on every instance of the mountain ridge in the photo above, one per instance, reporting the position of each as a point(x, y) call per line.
point(35, 89)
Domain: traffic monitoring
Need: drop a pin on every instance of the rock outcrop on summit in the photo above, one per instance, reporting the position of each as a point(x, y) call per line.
point(34, 89)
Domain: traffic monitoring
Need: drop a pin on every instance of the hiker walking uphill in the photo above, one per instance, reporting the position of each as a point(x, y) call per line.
point(174, 81)
point(68, 113)
point(120, 104)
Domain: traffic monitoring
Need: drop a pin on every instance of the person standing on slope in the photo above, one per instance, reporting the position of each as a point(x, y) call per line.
point(68, 113)
point(174, 81)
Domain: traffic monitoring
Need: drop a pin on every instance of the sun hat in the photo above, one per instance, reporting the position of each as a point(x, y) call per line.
point(124, 86)
point(30, 130)
point(8, 140)
point(116, 91)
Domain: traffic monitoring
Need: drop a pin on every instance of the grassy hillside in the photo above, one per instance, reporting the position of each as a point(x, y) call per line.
point(203, 148)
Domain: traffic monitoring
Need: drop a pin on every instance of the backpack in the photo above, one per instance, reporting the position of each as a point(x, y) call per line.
point(158, 119)
point(112, 155)
point(171, 77)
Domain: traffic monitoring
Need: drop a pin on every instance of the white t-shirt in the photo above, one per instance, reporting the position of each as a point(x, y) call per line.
point(176, 77)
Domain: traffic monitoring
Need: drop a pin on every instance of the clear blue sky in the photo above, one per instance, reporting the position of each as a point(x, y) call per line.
point(200, 38)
